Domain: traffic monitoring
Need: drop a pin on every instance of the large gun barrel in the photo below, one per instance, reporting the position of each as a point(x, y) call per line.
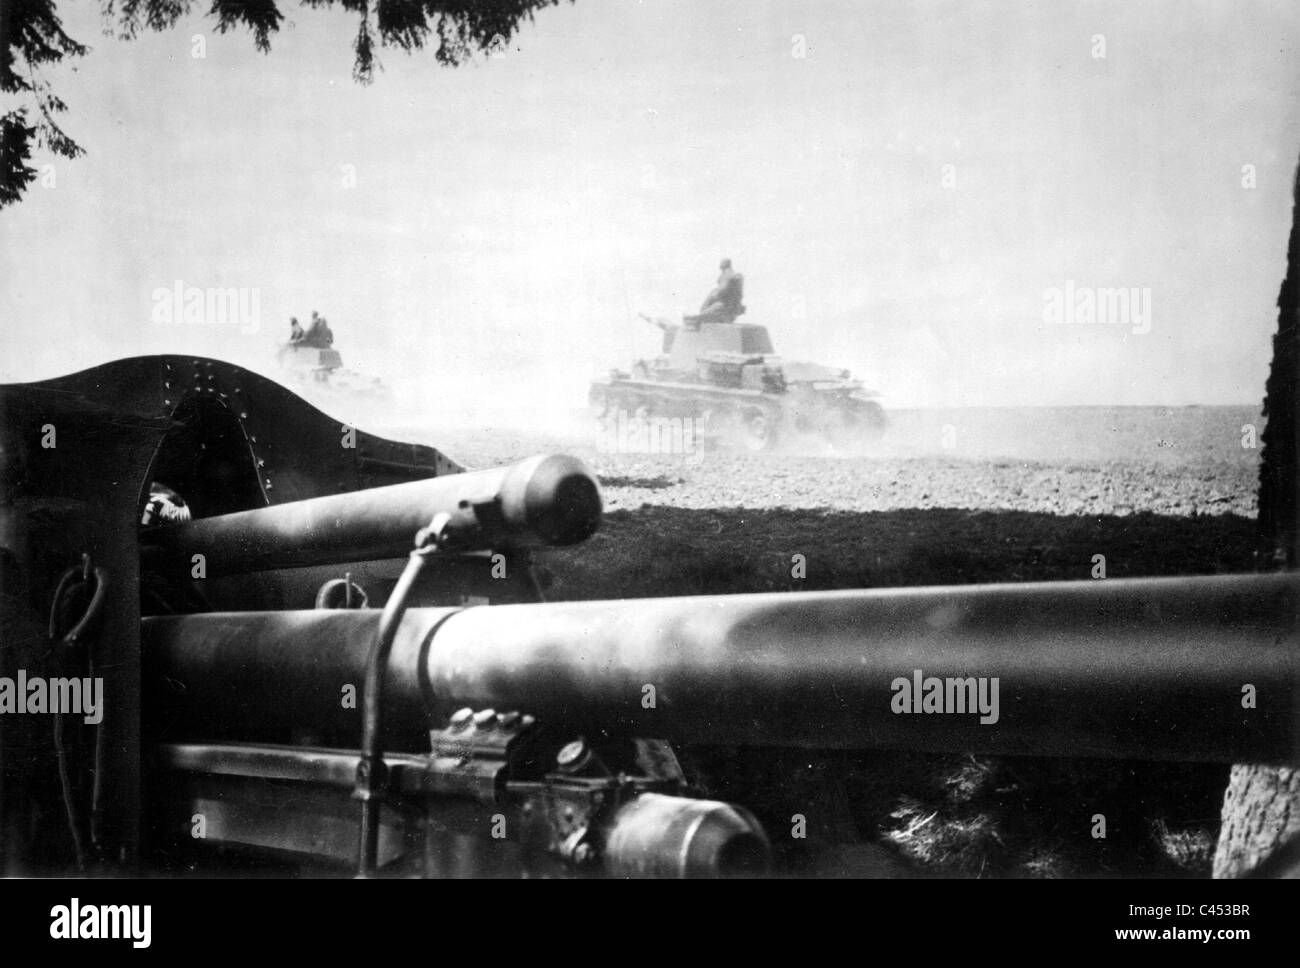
point(547, 500)
point(1188, 669)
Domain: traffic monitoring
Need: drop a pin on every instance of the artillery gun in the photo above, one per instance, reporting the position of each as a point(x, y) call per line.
point(727, 376)
point(343, 663)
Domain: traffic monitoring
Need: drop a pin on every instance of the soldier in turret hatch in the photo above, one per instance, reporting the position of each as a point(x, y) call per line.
point(319, 334)
point(296, 332)
point(723, 304)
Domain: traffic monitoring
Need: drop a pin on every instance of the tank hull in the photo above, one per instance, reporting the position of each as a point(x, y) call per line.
point(727, 378)
point(756, 420)
point(319, 374)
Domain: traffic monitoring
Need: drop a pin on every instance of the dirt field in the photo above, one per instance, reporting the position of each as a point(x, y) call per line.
point(945, 498)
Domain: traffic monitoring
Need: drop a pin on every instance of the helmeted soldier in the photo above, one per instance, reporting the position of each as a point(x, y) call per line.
point(319, 334)
point(724, 303)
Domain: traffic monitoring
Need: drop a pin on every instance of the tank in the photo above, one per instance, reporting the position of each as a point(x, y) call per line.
point(726, 375)
point(318, 374)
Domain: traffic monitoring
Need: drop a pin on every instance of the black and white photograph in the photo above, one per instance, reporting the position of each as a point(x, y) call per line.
point(649, 439)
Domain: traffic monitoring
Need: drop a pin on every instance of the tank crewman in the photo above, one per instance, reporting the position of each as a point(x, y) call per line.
point(724, 303)
point(319, 334)
point(164, 506)
point(296, 332)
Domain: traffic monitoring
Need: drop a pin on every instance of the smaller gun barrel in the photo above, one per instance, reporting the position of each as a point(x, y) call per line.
point(545, 500)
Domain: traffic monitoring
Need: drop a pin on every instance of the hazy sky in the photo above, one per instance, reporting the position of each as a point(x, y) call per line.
point(510, 218)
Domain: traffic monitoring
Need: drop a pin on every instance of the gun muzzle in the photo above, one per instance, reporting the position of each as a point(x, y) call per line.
point(545, 500)
point(660, 836)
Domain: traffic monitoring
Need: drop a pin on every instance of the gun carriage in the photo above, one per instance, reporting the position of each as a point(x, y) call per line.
point(343, 661)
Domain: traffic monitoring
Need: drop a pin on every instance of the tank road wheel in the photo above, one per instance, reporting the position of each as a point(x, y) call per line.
point(843, 429)
point(846, 429)
point(757, 430)
point(864, 424)
point(706, 428)
point(872, 420)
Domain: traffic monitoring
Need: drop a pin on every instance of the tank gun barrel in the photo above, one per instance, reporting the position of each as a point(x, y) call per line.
point(1142, 668)
point(658, 323)
point(545, 500)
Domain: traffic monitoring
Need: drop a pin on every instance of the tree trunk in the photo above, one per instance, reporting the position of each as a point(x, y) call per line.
point(1261, 812)
point(1261, 809)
